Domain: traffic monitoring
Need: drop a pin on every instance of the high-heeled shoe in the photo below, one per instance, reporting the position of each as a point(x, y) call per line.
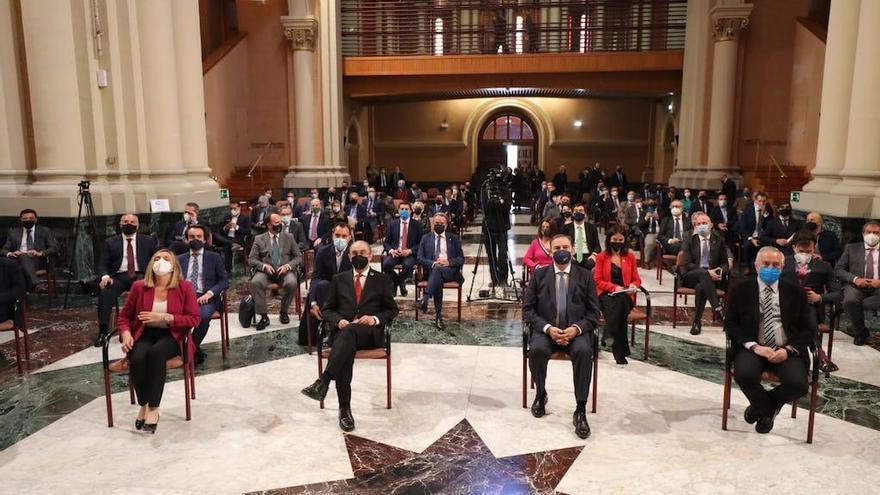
point(139, 424)
point(151, 428)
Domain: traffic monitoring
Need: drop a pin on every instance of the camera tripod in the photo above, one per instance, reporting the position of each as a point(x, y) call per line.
point(85, 201)
point(492, 266)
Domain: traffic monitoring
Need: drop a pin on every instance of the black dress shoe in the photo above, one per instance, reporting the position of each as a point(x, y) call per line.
point(284, 318)
point(538, 407)
point(100, 339)
point(439, 324)
point(263, 323)
point(151, 428)
point(423, 305)
point(403, 291)
point(139, 424)
point(696, 328)
point(765, 423)
point(750, 416)
point(860, 339)
point(581, 427)
point(621, 361)
point(200, 356)
point(317, 390)
point(346, 421)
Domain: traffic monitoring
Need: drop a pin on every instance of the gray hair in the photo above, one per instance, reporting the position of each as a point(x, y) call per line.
point(263, 199)
point(772, 250)
point(441, 214)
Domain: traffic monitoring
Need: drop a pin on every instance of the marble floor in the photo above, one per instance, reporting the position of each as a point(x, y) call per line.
point(456, 426)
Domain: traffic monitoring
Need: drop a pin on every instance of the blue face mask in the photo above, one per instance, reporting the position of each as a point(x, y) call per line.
point(404, 214)
point(769, 274)
point(562, 257)
point(340, 244)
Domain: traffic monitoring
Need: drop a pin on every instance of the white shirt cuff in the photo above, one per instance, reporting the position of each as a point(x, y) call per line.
point(376, 318)
point(580, 331)
point(546, 327)
point(748, 345)
point(105, 277)
point(210, 294)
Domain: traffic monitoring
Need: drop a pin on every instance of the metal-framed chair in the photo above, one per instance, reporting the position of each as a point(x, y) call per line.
point(557, 356)
point(222, 314)
point(378, 353)
point(662, 261)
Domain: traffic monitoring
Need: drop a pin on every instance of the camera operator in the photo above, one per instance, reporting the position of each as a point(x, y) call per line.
point(495, 201)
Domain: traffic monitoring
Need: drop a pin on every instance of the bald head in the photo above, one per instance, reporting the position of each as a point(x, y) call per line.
point(359, 248)
point(769, 256)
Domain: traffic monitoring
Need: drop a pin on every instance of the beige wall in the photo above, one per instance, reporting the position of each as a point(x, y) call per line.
point(765, 79)
point(226, 115)
point(613, 132)
point(806, 94)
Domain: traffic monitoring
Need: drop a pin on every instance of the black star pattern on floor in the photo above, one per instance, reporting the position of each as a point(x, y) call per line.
point(459, 462)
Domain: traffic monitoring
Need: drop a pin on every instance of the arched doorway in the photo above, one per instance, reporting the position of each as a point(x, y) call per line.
point(352, 145)
point(508, 138)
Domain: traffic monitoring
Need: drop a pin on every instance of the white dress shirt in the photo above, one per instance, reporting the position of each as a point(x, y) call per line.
point(442, 255)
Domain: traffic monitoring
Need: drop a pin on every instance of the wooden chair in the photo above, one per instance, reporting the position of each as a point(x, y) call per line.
point(18, 326)
point(679, 290)
point(557, 356)
point(421, 285)
point(812, 379)
point(184, 361)
point(662, 261)
point(308, 262)
point(222, 314)
point(636, 315)
point(833, 312)
point(50, 278)
point(378, 353)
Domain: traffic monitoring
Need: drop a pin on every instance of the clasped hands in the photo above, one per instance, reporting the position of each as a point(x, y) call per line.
point(774, 356)
point(367, 320)
point(866, 283)
point(562, 337)
point(32, 252)
point(396, 253)
point(272, 271)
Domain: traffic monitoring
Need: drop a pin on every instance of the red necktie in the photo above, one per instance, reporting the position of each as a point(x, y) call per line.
point(357, 288)
point(129, 253)
point(403, 236)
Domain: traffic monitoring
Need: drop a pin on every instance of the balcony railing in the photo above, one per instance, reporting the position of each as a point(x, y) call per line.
point(483, 27)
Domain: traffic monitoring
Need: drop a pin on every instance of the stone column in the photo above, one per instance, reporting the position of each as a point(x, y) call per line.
point(728, 21)
point(13, 154)
point(837, 78)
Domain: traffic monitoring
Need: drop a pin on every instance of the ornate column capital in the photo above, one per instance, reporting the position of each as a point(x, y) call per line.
point(729, 19)
point(300, 32)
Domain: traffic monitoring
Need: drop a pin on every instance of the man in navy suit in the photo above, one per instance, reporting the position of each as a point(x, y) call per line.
point(375, 210)
point(328, 261)
point(400, 248)
point(123, 261)
point(316, 224)
point(441, 258)
point(204, 269)
point(752, 222)
point(357, 212)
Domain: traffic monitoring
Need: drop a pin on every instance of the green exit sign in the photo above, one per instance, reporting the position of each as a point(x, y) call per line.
point(795, 196)
point(224, 193)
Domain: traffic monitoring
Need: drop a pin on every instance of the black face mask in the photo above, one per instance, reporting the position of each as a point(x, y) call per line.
point(439, 229)
point(784, 213)
point(546, 232)
point(566, 214)
point(618, 246)
point(812, 225)
point(128, 229)
point(359, 262)
point(276, 228)
point(28, 224)
point(578, 217)
point(196, 244)
point(417, 211)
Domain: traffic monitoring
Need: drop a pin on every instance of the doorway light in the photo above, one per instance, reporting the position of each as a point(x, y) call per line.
point(578, 123)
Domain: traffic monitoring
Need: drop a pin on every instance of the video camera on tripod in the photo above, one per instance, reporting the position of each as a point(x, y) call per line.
point(495, 204)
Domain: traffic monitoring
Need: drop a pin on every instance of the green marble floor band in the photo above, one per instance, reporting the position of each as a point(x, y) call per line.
point(30, 403)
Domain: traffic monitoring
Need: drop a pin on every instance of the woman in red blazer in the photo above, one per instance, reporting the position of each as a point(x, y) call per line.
point(158, 312)
point(539, 254)
point(615, 270)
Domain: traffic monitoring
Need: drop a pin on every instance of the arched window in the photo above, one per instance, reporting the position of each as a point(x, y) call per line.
point(508, 128)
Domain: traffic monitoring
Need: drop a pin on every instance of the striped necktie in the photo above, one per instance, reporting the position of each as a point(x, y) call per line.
point(768, 318)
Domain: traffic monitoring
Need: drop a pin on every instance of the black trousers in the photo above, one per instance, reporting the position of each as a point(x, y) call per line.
point(702, 283)
point(108, 295)
point(147, 363)
point(616, 309)
point(496, 248)
point(792, 374)
point(580, 349)
point(407, 262)
point(671, 248)
point(340, 363)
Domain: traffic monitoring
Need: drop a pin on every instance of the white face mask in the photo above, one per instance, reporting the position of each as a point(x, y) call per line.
point(722, 203)
point(162, 267)
point(676, 211)
point(803, 258)
point(871, 239)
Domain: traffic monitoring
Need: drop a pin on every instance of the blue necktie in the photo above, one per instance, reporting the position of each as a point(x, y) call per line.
point(561, 300)
point(194, 277)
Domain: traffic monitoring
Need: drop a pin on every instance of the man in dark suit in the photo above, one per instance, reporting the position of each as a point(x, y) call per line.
point(177, 240)
point(375, 211)
point(561, 306)
point(357, 214)
point(123, 261)
point(383, 180)
point(828, 246)
point(728, 188)
point(236, 226)
point(274, 258)
point(706, 262)
point(674, 229)
point(12, 287)
point(30, 245)
point(584, 238)
point(441, 258)
point(752, 221)
point(204, 269)
point(770, 328)
point(723, 216)
point(613, 204)
point(812, 273)
point(397, 176)
point(702, 203)
point(316, 224)
point(328, 261)
point(618, 179)
point(260, 214)
point(360, 304)
point(292, 226)
point(649, 226)
point(560, 179)
point(780, 230)
point(857, 269)
point(402, 239)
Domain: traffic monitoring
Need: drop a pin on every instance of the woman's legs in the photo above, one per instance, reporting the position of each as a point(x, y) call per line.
point(616, 308)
